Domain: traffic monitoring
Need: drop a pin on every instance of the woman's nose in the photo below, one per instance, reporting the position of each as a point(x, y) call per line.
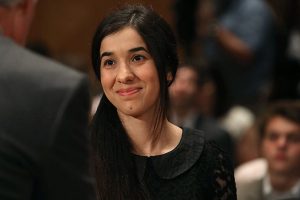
point(125, 73)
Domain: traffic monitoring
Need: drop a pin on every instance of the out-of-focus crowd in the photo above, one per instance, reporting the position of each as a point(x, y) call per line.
point(239, 82)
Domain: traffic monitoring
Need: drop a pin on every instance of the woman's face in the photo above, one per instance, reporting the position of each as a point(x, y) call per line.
point(128, 74)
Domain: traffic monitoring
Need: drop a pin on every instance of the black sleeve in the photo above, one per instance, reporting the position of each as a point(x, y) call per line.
point(66, 166)
point(223, 173)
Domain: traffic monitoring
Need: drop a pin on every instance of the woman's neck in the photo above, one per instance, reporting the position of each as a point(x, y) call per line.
point(141, 135)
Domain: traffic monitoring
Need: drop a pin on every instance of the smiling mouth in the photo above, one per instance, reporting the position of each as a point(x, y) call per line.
point(128, 92)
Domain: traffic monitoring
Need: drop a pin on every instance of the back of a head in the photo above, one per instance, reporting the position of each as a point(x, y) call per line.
point(16, 18)
point(9, 3)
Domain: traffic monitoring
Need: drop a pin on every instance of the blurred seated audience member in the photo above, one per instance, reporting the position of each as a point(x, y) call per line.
point(184, 108)
point(182, 96)
point(280, 146)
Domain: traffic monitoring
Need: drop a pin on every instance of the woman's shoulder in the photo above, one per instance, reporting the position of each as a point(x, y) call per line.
point(213, 168)
point(209, 150)
point(204, 155)
point(198, 146)
point(182, 158)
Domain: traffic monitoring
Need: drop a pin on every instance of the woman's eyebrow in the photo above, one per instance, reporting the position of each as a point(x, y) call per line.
point(138, 49)
point(130, 50)
point(105, 54)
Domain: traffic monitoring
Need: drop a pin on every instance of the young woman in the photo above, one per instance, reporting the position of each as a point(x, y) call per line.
point(139, 154)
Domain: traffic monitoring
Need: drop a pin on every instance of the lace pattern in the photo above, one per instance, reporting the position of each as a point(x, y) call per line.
point(211, 177)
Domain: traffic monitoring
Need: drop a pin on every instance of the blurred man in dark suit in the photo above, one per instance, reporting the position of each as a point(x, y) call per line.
point(44, 148)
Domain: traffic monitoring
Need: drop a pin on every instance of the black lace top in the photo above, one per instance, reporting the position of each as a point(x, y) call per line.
point(194, 170)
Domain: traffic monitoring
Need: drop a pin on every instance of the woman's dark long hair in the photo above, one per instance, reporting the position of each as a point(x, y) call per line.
point(114, 165)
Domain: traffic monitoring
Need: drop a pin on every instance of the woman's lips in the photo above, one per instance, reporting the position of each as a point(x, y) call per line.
point(128, 91)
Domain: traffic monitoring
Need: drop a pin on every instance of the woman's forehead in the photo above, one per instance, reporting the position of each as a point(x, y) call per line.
point(126, 38)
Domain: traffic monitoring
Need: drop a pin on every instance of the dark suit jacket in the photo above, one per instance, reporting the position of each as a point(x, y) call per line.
point(44, 151)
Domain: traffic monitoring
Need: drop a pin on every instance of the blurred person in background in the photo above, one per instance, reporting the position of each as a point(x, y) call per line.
point(280, 147)
point(285, 82)
point(183, 91)
point(44, 145)
point(192, 103)
point(237, 38)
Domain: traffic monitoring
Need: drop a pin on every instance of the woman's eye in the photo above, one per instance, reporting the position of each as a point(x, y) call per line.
point(108, 62)
point(138, 58)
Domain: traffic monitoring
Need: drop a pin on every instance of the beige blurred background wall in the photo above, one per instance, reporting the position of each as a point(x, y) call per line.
point(66, 27)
